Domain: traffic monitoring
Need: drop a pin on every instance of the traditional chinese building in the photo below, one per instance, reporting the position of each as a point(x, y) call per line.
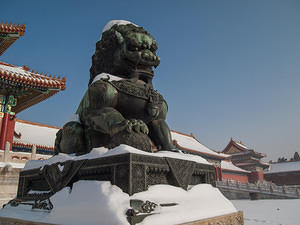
point(20, 88)
point(244, 157)
point(285, 172)
point(247, 159)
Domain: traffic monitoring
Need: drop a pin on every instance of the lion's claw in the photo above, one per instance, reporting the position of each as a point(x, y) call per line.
point(136, 126)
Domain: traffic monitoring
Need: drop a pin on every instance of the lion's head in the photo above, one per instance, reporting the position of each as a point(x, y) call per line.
point(125, 50)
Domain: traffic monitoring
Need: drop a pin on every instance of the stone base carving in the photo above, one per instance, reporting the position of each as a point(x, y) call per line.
point(229, 219)
point(131, 172)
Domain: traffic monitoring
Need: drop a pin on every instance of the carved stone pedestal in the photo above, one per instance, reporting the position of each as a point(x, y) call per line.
point(131, 172)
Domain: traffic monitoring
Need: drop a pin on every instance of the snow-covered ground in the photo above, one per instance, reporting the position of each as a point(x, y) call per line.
point(270, 212)
point(99, 202)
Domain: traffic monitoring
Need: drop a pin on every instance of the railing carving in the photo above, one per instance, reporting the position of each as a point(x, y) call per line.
point(261, 187)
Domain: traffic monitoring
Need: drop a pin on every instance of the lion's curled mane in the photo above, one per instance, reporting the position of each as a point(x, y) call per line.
point(103, 58)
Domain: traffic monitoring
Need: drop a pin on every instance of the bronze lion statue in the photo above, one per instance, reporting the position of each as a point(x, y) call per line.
point(120, 105)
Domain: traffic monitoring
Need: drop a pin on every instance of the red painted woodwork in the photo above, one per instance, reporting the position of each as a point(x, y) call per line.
point(4, 131)
point(10, 130)
point(227, 175)
point(7, 130)
point(219, 172)
point(0, 126)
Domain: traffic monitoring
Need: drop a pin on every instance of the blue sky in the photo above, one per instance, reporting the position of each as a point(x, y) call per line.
point(228, 68)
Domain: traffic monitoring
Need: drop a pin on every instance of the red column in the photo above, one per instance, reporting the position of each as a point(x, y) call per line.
point(11, 130)
point(217, 172)
point(4, 130)
point(7, 130)
point(1, 119)
point(221, 174)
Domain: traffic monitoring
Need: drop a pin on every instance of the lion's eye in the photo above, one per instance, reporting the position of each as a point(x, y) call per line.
point(133, 48)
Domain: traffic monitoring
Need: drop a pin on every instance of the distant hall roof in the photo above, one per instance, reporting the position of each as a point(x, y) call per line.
point(241, 149)
point(284, 167)
point(189, 143)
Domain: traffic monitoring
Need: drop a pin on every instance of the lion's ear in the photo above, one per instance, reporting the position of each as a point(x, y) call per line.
point(119, 37)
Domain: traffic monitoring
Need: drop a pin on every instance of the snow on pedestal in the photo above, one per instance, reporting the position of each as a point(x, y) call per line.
point(199, 202)
point(104, 152)
point(99, 202)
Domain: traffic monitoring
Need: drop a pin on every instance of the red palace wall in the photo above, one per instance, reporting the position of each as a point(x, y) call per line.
point(256, 176)
point(228, 175)
point(287, 178)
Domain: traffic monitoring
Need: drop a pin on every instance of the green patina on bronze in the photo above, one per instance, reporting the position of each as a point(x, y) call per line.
point(127, 111)
point(122, 50)
point(113, 112)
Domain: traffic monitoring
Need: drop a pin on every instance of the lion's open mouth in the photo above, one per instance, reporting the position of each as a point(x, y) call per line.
point(143, 58)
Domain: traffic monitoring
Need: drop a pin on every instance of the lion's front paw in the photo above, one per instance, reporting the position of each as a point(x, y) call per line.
point(136, 126)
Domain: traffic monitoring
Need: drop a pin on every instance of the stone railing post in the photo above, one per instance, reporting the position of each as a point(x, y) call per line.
point(283, 189)
point(297, 191)
point(258, 187)
point(6, 152)
point(33, 152)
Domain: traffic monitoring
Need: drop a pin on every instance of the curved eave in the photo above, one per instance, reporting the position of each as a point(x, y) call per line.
point(9, 33)
point(230, 143)
point(12, 28)
point(255, 163)
point(35, 82)
point(242, 149)
point(6, 43)
point(22, 105)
